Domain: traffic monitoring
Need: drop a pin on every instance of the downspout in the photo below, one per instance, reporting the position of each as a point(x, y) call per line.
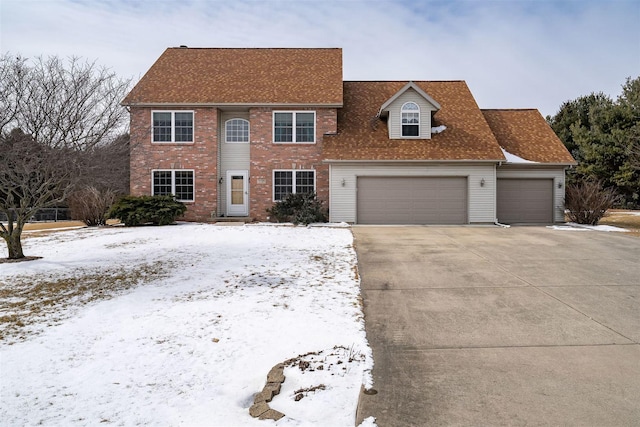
point(495, 197)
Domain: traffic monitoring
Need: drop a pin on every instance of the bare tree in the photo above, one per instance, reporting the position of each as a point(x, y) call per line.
point(33, 176)
point(55, 114)
point(73, 105)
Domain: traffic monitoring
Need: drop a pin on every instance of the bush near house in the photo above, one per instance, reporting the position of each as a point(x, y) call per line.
point(90, 205)
point(299, 208)
point(587, 201)
point(158, 210)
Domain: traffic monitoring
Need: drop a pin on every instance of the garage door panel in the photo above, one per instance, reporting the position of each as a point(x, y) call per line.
point(525, 201)
point(412, 200)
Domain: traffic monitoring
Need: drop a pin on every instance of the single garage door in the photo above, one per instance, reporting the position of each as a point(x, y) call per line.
point(412, 200)
point(525, 201)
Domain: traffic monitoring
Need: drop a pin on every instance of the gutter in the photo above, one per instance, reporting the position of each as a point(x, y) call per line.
point(229, 104)
point(412, 161)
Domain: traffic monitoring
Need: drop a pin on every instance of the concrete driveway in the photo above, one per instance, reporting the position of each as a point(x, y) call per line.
point(501, 326)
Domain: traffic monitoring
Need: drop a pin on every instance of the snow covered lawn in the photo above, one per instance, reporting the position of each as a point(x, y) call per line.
point(180, 325)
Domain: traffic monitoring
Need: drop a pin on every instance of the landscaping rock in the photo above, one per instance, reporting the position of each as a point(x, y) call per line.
point(258, 409)
point(272, 414)
point(276, 374)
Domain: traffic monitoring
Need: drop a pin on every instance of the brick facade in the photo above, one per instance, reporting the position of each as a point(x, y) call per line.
point(266, 156)
point(202, 157)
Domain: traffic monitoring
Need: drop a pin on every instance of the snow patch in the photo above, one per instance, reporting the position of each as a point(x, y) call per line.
point(194, 346)
point(512, 158)
point(600, 227)
point(368, 422)
point(572, 226)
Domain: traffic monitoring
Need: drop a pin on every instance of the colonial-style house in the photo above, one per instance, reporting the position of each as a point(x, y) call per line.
point(231, 131)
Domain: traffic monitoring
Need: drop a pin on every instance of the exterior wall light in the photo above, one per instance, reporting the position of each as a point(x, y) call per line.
point(482, 182)
point(344, 182)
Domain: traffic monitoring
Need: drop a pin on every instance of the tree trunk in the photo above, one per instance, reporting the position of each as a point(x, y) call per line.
point(15, 244)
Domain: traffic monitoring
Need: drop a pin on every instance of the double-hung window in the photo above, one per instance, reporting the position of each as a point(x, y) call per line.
point(410, 119)
point(293, 181)
point(294, 126)
point(172, 126)
point(179, 183)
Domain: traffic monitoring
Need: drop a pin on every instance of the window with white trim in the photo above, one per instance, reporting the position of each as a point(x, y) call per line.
point(172, 126)
point(176, 182)
point(293, 181)
point(294, 126)
point(236, 130)
point(410, 119)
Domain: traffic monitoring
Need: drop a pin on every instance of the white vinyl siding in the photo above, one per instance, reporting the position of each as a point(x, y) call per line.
point(395, 118)
point(557, 175)
point(233, 156)
point(343, 198)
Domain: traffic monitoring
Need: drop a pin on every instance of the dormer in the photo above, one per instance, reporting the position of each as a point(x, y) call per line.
point(409, 112)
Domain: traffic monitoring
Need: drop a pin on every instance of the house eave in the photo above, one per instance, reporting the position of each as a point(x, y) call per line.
point(469, 161)
point(530, 165)
point(409, 85)
point(226, 105)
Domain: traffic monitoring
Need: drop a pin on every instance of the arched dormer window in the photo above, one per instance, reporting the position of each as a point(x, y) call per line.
point(410, 119)
point(236, 130)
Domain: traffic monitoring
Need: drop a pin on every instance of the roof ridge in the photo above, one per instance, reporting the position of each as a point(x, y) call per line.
point(509, 109)
point(184, 47)
point(404, 81)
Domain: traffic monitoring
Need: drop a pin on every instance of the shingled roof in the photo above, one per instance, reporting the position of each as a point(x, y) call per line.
point(364, 136)
point(526, 134)
point(188, 76)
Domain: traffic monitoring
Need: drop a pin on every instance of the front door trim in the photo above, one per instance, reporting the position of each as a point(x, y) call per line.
point(237, 209)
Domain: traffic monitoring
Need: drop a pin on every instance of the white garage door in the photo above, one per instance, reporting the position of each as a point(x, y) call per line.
point(525, 201)
point(412, 200)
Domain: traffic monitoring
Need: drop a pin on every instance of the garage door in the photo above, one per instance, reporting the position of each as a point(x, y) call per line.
point(412, 200)
point(523, 201)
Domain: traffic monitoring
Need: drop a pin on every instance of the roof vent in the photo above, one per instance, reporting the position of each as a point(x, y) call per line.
point(184, 46)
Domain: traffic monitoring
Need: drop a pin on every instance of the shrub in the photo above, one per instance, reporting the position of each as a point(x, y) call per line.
point(158, 210)
point(299, 208)
point(587, 201)
point(90, 205)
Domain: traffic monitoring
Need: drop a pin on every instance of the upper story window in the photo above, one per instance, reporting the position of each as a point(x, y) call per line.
point(236, 130)
point(410, 119)
point(294, 126)
point(172, 126)
point(178, 183)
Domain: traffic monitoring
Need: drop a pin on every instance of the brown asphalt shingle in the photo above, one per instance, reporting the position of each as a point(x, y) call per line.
point(526, 134)
point(242, 76)
point(363, 136)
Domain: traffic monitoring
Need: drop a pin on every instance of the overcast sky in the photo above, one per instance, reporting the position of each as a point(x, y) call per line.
point(512, 54)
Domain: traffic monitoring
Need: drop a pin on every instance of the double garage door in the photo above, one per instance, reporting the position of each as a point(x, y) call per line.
point(412, 200)
point(525, 201)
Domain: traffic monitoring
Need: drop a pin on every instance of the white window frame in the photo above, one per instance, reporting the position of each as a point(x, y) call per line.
point(403, 111)
point(293, 181)
point(226, 134)
point(173, 182)
point(173, 126)
point(294, 121)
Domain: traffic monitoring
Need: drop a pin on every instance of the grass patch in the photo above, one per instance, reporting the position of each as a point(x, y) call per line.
point(623, 219)
point(28, 302)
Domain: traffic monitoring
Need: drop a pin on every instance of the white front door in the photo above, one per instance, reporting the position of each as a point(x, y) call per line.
point(237, 193)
